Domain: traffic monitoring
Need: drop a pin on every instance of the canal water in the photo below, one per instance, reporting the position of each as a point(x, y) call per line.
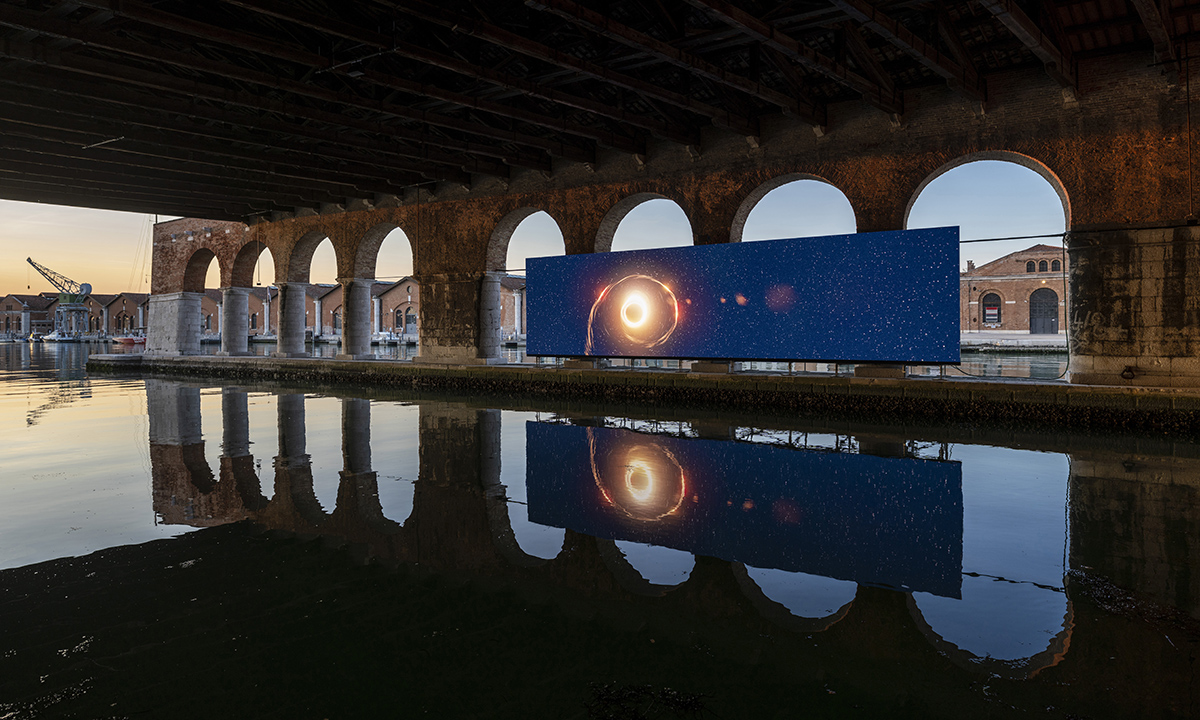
point(176, 548)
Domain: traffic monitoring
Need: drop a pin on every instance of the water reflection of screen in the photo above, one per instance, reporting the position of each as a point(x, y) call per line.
point(894, 522)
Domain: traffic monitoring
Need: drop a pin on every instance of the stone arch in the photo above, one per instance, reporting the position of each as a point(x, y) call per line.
point(738, 226)
point(496, 257)
point(244, 262)
point(1003, 156)
point(197, 269)
point(366, 256)
point(622, 208)
point(299, 261)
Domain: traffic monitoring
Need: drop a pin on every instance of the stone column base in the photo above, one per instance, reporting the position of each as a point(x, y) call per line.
point(882, 370)
point(1142, 371)
point(222, 353)
point(586, 363)
point(453, 355)
point(715, 366)
point(290, 355)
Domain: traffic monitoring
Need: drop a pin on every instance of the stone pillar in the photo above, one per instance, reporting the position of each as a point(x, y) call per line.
point(104, 329)
point(452, 311)
point(1132, 305)
point(235, 423)
point(460, 452)
point(1132, 521)
point(141, 319)
point(173, 411)
point(292, 446)
point(356, 435)
point(317, 327)
point(356, 319)
point(491, 311)
point(376, 304)
point(290, 342)
point(174, 327)
point(26, 323)
point(235, 321)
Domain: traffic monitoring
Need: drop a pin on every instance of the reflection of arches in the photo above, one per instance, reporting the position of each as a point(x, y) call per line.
point(789, 614)
point(1003, 156)
point(618, 212)
point(1012, 668)
point(662, 567)
point(752, 200)
point(197, 270)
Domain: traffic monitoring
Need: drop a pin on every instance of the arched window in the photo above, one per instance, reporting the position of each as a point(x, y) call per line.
point(253, 321)
point(1030, 267)
point(1042, 266)
point(398, 321)
point(410, 321)
point(1056, 266)
point(991, 309)
point(208, 322)
point(337, 321)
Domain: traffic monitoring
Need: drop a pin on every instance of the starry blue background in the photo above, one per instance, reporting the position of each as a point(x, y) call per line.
point(889, 522)
point(882, 297)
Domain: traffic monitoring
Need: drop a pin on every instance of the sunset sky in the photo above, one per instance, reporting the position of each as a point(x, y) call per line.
point(109, 249)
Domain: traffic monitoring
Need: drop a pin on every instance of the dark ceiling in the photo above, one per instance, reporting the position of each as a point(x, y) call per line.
point(230, 109)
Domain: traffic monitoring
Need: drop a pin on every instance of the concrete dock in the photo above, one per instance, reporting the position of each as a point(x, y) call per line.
point(961, 399)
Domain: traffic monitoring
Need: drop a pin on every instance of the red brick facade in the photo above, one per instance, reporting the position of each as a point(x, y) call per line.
point(1024, 291)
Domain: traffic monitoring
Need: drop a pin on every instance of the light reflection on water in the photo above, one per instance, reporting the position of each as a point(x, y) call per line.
point(79, 476)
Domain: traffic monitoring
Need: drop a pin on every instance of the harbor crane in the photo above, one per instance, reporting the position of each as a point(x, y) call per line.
point(71, 315)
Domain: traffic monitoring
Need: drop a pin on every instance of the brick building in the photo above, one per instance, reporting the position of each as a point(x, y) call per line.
point(127, 313)
point(21, 315)
point(1022, 292)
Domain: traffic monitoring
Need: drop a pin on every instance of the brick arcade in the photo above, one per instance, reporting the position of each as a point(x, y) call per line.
point(1116, 153)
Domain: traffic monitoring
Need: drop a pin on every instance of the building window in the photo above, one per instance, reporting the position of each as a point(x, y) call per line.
point(1056, 266)
point(254, 321)
point(208, 322)
point(1043, 267)
point(1030, 267)
point(991, 309)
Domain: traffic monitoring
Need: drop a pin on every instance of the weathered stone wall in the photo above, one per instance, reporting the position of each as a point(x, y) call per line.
point(1135, 313)
point(1131, 522)
point(1116, 153)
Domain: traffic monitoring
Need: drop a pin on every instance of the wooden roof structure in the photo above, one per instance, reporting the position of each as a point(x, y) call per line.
point(233, 108)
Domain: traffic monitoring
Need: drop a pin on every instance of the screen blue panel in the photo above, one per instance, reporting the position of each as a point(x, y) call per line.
point(891, 522)
point(873, 297)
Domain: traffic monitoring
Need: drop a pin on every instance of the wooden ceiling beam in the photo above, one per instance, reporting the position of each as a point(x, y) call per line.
point(1156, 28)
point(1057, 61)
point(618, 32)
point(531, 48)
point(961, 78)
point(26, 20)
point(245, 41)
point(79, 98)
point(810, 59)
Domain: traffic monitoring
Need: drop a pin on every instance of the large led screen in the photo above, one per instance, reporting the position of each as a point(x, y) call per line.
point(882, 297)
point(891, 522)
